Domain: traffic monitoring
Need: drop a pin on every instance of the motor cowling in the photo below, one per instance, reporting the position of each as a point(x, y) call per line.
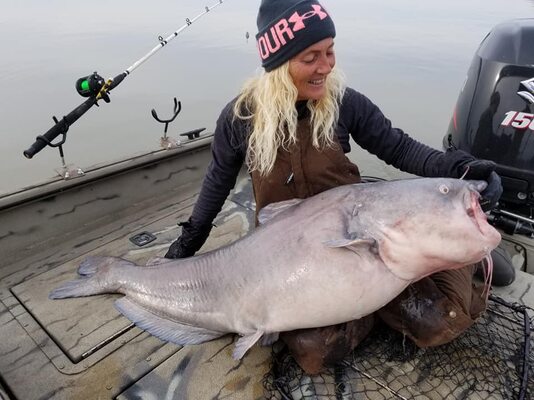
point(494, 115)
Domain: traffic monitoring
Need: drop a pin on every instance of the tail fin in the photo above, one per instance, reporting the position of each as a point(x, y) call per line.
point(93, 279)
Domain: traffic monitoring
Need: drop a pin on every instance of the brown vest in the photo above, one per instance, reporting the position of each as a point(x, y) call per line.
point(303, 171)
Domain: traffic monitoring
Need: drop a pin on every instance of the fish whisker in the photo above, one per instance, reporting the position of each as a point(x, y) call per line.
point(488, 274)
point(465, 173)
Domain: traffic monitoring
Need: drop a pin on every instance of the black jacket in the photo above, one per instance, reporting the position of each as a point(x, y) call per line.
point(359, 118)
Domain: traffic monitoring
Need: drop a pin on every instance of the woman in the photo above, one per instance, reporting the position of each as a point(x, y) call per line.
point(291, 126)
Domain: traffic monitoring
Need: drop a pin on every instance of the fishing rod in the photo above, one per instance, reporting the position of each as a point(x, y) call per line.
point(95, 88)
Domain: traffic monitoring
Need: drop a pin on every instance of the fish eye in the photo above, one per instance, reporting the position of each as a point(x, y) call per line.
point(444, 189)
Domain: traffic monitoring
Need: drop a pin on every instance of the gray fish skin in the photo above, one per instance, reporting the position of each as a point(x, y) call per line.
point(334, 257)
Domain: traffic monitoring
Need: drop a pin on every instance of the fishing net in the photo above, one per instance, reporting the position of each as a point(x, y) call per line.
point(492, 360)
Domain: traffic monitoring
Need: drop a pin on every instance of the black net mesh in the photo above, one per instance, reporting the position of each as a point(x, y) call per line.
point(492, 360)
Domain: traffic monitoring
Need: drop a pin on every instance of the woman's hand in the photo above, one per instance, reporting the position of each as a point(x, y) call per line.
point(485, 170)
point(189, 242)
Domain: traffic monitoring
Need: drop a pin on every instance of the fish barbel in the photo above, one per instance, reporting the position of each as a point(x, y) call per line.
point(328, 259)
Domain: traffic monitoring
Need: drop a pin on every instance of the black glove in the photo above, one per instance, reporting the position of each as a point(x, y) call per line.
point(190, 241)
point(484, 170)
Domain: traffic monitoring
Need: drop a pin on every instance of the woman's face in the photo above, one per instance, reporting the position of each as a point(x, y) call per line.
point(309, 69)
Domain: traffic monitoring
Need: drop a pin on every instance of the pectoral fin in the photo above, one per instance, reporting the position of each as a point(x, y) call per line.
point(352, 244)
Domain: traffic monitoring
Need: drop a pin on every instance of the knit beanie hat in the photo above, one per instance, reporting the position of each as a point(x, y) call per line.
point(286, 27)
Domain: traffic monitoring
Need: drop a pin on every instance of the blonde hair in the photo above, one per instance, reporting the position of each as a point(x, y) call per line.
point(269, 102)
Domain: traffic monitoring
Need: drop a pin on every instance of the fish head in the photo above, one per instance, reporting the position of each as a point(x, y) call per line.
point(444, 228)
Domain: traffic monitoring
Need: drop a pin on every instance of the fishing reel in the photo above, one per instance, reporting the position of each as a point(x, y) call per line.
point(92, 86)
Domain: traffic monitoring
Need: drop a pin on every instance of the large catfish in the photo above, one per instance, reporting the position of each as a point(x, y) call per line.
point(331, 258)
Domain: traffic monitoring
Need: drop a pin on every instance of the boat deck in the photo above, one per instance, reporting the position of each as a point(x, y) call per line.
point(83, 348)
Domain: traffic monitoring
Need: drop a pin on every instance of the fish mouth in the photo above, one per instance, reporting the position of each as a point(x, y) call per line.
point(479, 218)
point(474, 211)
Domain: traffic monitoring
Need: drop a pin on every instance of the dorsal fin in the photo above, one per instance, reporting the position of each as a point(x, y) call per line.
point(272, 210)
point(155, 261)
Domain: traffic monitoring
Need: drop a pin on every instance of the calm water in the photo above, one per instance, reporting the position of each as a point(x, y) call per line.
point(409, 56)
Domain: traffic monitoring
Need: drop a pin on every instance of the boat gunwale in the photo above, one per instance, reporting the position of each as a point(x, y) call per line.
point(97, 172)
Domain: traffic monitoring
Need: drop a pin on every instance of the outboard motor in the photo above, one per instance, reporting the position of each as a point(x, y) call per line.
point(494, 119)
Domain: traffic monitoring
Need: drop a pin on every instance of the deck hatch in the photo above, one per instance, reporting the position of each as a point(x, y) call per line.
point(82, 326)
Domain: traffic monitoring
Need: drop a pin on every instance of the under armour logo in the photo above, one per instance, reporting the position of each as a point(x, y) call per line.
point(298, 20)
point(529, 94)
point(283, 31)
